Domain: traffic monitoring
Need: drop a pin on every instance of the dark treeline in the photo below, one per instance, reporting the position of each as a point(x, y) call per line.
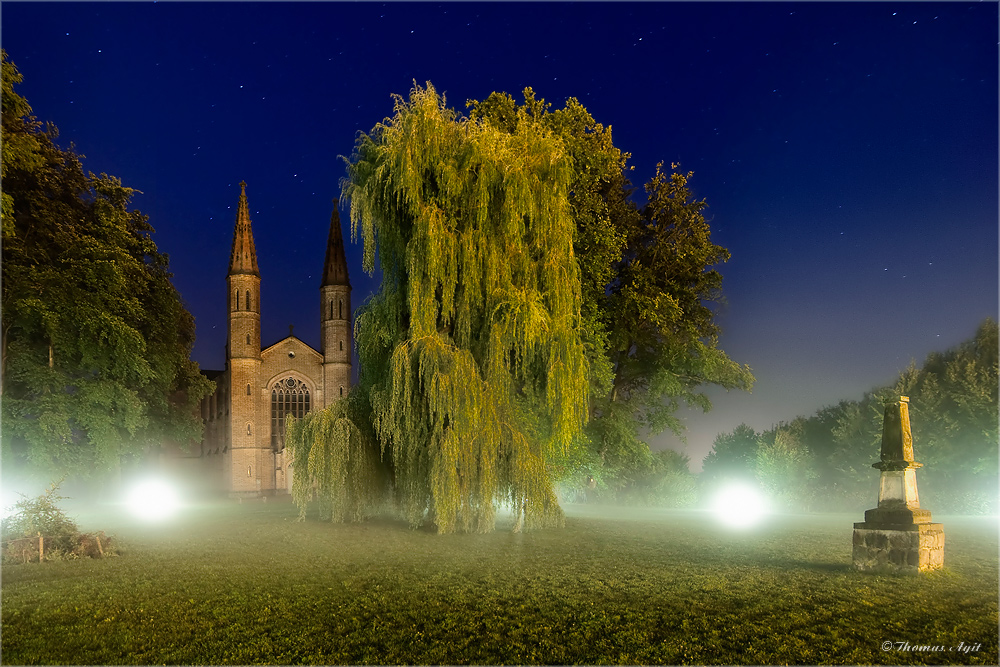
point(823, 462)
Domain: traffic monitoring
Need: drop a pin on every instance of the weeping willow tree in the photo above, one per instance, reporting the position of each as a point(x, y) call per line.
point(336, 463)
point(470, 353)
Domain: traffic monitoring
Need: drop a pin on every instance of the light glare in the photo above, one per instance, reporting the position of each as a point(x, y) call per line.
point(153, 500)
point(739, 506)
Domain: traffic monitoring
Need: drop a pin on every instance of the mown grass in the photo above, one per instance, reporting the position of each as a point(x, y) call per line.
point(247, 584)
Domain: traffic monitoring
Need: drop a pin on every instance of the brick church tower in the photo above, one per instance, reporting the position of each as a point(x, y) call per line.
point(335, 315)
point(243, 355)
point(243, 447)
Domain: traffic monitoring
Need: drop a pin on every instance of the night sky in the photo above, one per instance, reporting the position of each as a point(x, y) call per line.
point(848, 152)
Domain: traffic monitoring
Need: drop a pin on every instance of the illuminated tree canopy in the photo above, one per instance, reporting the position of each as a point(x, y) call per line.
point(471, 352)
point(648, 282)
point(522, 295)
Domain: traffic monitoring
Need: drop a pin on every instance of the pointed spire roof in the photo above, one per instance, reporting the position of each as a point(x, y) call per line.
point(335, 265)
point(243, 258)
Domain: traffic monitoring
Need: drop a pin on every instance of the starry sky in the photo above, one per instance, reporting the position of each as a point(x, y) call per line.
point(847, 151)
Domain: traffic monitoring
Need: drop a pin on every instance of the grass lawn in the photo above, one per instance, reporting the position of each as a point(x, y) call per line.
point(244, 584)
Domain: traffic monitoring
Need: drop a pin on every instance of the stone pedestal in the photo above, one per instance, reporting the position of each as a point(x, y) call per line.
point(904, 549)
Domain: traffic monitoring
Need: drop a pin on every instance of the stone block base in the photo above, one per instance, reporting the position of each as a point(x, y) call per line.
point(898, 548)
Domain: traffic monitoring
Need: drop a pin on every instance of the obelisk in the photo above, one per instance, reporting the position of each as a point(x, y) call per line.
point(898, 536)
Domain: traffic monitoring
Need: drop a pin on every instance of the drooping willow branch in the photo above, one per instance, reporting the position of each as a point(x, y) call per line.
point(474, 336)
point(334, 462)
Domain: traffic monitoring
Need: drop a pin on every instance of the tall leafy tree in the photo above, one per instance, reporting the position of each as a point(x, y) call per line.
point(954, 415)
point(784, 467)
point(599, 203)
point(647, 285)
point(733, 455)
point(96, 341)
point(664, 346)
point(471, 352)
point(666, 482)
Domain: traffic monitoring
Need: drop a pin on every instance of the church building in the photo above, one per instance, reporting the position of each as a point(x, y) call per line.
point(243, 447)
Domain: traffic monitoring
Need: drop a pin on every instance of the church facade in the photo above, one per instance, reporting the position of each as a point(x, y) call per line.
point(243, 448)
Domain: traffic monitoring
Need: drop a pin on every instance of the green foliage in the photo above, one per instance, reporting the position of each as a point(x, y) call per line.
point(733, 455)
point(336, 462)
point(471, 354)
point(663, 346)
point(41, 514)
point(665, 482)
point(785, 470)
point(646, 286)
point(599, 204)
point(62, 539)
point(96, 341)
point(953, 416)
point(21, 149)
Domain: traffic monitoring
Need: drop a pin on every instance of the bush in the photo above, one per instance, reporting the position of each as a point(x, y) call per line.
point(664, 481)
point(61, 537)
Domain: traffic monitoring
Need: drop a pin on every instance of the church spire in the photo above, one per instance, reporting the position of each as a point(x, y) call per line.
point(243, 258)
point(335, 265)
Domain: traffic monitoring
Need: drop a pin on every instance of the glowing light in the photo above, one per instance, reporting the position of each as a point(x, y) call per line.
point(7, 509)
point(739, 506)
point(153, 500)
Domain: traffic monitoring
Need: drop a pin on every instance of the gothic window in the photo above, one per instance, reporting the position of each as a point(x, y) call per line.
point(341, 346)
point(237, 299)
point(331, 310)
point(248, 299)
point(248, 390)
point(289, 397)
point(248, 339)
point(340, 309)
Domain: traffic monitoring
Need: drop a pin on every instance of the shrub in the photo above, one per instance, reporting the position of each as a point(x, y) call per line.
point(61, 537)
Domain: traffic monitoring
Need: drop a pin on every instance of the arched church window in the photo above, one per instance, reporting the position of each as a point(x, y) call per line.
point(340, 309)
point(289, 398)
point(248, 299)
point(248, 390)
point(341, 391)
point(331, 310)
point(249, 430)
point(341, 346)
point(237, 299)
point(248, 339)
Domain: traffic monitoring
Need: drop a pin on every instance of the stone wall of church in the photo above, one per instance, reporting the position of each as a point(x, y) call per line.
point(337, 343)
point(295, 357)
point(245, 424)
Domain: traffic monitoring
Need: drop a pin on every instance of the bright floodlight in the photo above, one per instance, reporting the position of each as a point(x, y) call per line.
point(739, 506)
point(153, 500)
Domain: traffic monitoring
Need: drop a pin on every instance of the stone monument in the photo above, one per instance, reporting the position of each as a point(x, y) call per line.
point(898, 536)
